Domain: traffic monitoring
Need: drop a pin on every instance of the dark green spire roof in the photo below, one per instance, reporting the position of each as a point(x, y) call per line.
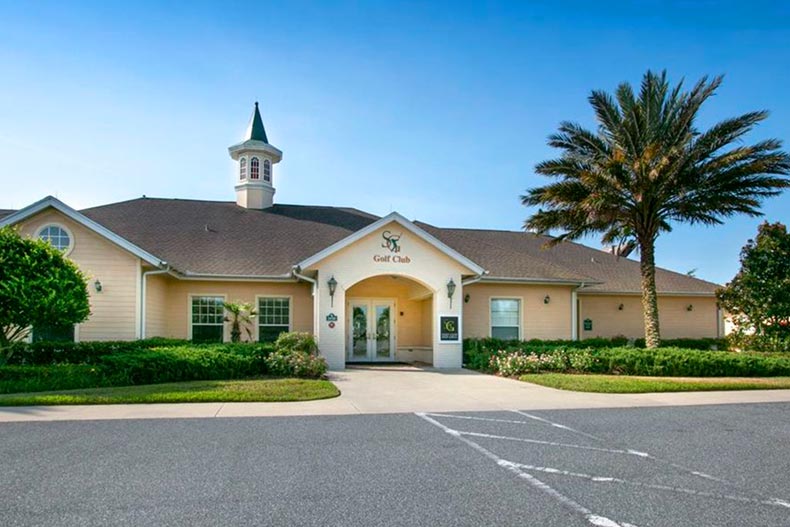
point(256, 131)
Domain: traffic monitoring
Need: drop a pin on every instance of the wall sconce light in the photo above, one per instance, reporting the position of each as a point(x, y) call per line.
point(332, 283)
point(689, 307)
point(546, 299)
point(466, 298)
point(450, 291)
point(97, 285)
point(620, 307)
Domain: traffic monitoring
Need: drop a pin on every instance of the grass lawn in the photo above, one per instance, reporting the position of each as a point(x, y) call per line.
point(252, 390)
point(628, 384)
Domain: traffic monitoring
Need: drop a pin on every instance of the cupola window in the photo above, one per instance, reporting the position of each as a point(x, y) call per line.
point(267, 170)
point(243, 168)
point(255, 168)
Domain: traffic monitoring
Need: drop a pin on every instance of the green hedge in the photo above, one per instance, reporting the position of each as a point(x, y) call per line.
point(478, 352)
point(678, 362)
point(140, 366)
point(41, 353)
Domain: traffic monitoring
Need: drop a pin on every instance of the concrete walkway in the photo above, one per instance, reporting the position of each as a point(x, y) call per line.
point(379, 390)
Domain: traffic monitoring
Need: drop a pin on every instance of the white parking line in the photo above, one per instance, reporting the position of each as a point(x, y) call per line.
point(606, 479)
point(554, 443)
point(593, 519)
point(760, 498)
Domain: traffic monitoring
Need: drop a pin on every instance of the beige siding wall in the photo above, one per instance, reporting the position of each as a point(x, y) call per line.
point(411, 315)
point(538, 320)
point(675, 319)
point(177, 307)
point(114, 311)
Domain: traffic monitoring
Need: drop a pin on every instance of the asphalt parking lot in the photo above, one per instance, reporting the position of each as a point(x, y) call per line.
point(697, 465)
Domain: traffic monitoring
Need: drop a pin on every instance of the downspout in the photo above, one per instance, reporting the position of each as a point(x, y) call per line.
point(575, 312)
point(297, 272)
point(144, 289)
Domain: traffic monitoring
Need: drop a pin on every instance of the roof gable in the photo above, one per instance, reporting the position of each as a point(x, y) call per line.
point(393, 217)
point(54, 203)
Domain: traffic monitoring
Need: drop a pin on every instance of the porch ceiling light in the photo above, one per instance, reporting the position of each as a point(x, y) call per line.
point(332, 283)
point(450, 291)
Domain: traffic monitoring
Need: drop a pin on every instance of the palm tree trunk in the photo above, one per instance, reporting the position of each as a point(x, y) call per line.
point(647, 266)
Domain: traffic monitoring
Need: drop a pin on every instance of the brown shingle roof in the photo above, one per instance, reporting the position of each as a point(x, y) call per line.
point(217, 237)
point(614, 274)
point(221, 238)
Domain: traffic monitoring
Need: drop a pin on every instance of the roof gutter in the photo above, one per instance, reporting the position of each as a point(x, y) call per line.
point(296, 271)
point(474, 279)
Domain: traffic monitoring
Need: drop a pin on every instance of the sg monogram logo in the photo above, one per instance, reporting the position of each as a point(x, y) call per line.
point(391, 241)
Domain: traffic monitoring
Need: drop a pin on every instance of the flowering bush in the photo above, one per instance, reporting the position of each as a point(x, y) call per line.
point(289, 363)
point(296, 355)
point(514, 363)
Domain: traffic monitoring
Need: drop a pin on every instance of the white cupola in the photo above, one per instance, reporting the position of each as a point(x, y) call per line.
point(255, 170)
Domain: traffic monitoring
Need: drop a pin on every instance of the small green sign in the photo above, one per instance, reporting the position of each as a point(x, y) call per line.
point(587, 324)
point(449, 329)
point(331, 317)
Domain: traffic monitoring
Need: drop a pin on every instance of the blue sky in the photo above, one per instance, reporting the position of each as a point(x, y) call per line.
point(437, 110)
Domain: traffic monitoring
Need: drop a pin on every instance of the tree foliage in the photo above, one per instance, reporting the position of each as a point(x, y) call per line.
point(647, 166)
point(240, 314)
point(39, 287)
point(758, 298)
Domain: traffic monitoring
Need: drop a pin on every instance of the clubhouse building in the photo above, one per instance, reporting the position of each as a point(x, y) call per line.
point(369, 288)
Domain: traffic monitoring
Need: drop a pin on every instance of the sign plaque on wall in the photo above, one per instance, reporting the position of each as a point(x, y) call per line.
point(449, 329)
point(587, 324)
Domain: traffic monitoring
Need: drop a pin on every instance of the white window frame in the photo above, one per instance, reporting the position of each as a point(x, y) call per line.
point(267, 170)
point(242, 169)
point(190, 296)
point(258, 324)
point(68, 232)
point(520, 314)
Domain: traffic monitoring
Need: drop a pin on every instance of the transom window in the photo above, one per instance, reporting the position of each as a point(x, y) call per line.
point(274, 317)
point(57, 236)
point(505, 318)
point(208, 318)
point(255, 165)
point(267, 170)
point(243, 168)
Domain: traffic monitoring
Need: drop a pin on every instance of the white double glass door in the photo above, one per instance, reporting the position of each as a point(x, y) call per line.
point(371, 335)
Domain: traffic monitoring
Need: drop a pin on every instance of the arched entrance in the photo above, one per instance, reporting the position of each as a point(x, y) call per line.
point(389, 318)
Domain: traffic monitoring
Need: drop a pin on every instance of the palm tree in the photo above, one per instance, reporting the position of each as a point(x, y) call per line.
point(647, 167)
point(241, 313)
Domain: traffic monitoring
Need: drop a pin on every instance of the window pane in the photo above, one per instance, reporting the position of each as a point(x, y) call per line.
point(274, 311)
point(57, 236)
point(504, 312)
point(504, 333)
point(505, 318)
point(53, 334)
point(207, 333)
point(208, 318)
point(270, 333)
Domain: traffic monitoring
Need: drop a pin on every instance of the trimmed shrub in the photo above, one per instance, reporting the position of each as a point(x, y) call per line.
point(40, 353)
point(16, 379)
point(296, 341)
point(296, 355)
point(677, 362)
point(141, 366)
point(516, 363)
